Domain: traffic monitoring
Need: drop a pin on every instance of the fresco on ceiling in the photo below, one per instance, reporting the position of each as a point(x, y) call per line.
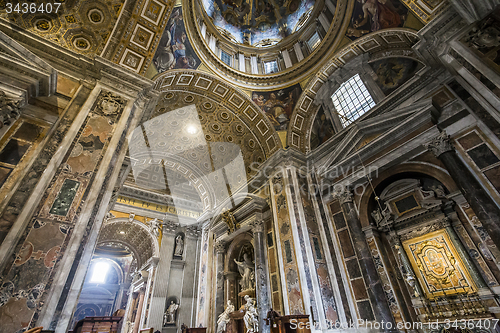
point(322, 129)
point(278, 105)
point(256, 22)
point(393, 72)
point(174, 50)
point(374, 15)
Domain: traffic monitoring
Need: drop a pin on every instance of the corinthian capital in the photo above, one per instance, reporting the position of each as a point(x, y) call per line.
point(440, 145)
point(220, 247)
point(344, 195)
point(9, 109)
point(257, 226)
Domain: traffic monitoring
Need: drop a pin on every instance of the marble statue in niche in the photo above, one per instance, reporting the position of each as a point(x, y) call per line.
point(246, 270)
point(224, 317)
point(179, 246)
point(169, 316)
point(251, 317)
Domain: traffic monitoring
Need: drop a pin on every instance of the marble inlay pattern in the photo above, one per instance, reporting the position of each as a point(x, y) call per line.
point(384, 278)
point(203, 280)
point(307, 269)
point(329, 305)
point(293, 290)
point(48, 235)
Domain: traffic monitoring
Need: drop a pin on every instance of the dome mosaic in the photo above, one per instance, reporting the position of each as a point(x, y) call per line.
point(258, 23)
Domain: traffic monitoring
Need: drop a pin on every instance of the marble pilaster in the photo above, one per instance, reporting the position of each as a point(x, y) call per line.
point(155, 318)
point(263, 303)
point(481, 203)
point(220, 249)
point(375, 290)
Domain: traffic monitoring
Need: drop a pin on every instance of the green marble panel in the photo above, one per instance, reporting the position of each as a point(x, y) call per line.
point(65, 197)
point(288, 252)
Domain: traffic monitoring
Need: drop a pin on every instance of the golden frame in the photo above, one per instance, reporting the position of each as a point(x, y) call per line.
point(439, 243)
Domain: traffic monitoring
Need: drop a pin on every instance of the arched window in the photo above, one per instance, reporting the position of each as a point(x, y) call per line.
point(352, 100)
point(99, 272)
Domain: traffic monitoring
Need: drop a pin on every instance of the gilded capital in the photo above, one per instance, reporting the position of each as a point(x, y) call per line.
point(344, 195)
point(440, 145)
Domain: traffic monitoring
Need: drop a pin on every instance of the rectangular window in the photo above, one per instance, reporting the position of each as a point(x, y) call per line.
point(314, 41)
point(352, 100)
point(271, 67)
point(226, 58)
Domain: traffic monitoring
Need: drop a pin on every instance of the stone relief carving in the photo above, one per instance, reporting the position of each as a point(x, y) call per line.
point(9, 109)
point(485, 36)
point(154, 226)
point(344, 195)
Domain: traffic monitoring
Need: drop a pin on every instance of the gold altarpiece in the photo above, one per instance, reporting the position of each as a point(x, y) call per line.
point(438, 266)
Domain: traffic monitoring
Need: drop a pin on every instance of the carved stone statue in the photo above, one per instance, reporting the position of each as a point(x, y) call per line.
point(154, 225)
point(179, 246)
point(169, 317)
point(251, 317)
point(246, 269)
point(224, 317)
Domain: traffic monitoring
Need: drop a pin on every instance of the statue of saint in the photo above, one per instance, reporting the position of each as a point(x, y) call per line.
point(246, 269)
point(251, 316)
point(224, 317)
point(179, 246)
point(170, 314)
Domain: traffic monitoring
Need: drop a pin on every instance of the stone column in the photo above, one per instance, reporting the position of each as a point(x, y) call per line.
point(220, 249)
point(138, 313)
point(162, 276)
point(261, 274)
point(375, 290)
point(481, 203)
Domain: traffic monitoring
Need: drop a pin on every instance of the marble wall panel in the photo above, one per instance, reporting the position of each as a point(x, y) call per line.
point(47, 237)
point(293, 291)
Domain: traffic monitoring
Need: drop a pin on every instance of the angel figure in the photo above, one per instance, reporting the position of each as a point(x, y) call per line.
point(224, 317)
point(251, 317)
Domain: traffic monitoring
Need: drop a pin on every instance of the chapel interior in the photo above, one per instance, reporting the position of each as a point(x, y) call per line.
point(237, 166)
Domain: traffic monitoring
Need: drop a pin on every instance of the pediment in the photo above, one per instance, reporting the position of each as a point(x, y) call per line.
point(22, 73)
point(373, 134)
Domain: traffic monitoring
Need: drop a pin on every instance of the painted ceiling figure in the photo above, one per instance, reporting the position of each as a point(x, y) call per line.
point(246, 269)
point(382, 13)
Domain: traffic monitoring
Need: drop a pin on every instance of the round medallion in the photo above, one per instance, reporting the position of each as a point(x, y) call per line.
point(43, 25)
point(188, 99)
point(81, 43)
point(95, 16)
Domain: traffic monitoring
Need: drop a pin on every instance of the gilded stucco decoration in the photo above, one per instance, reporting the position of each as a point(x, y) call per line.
point(438, 266)
point(228, 114)
point(380, 45)
point(81, 26)
point(137, 34)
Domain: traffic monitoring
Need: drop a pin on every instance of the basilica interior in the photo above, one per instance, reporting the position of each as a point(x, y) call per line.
point(241, 166)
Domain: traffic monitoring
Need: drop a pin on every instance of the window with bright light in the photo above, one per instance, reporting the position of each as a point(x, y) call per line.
point(226, 58)
point(271, 67)
point(99, 273)
point(352, 100)
point(314, 41)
